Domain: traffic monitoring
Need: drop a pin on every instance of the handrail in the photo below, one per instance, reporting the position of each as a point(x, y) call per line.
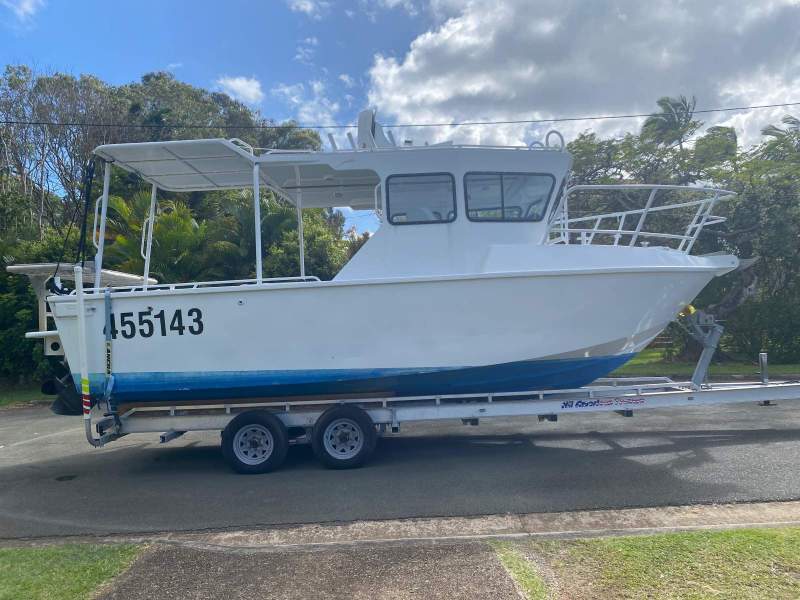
point(205, 284)
point(378, 204)
point(146, 231)
point(536, 145)
point(95, 235)
point(585, 229)
point(635, 211)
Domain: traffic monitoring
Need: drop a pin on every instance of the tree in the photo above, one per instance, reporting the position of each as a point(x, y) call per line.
point(784, 143)
point(717, 146)
point(674, 124)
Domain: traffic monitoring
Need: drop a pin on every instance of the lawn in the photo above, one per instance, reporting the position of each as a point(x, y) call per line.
point(61, 572)
point(522, 570)
point(744, 563)
point(651, 363)
point(13, 395)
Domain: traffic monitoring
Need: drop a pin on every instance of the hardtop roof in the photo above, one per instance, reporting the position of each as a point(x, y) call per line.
point(316, 178)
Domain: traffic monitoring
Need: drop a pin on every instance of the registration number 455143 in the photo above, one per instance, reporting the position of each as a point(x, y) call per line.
point(147, 323)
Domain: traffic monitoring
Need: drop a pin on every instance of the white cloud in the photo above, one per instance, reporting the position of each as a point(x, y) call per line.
point(348, 81)
point(516, 60)
point(370, 8)
point(407, 5)
point(245, 89)
point(311, 8)
point(24, 10)
point(174, 65)
point(305, 50)
point(760, 88)
point(309, 105)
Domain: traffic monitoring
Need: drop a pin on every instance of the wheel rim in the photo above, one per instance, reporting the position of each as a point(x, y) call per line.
point(343, 439)
point(253, 444)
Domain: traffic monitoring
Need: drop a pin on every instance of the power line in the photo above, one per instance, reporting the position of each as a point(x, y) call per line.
point(594, 118)
point(395, 126)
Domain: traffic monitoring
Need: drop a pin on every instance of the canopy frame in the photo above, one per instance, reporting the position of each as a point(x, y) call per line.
point(148, 226)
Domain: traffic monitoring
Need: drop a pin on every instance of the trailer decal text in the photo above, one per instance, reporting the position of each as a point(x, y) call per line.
point(601, 402)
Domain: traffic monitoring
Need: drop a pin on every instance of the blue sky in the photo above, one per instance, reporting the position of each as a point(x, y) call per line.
point(202, 42)
point(423, 60)
point(418, 61)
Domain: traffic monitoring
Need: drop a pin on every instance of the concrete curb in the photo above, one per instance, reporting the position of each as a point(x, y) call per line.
point(592, 523)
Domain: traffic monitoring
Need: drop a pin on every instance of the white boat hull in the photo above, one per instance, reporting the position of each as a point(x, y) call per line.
point(455, 334)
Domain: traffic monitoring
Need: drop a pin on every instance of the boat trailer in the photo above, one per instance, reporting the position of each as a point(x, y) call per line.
point(303, 421)
point(343, 431)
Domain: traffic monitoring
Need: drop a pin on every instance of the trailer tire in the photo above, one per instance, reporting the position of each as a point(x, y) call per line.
point(255, 442)
point(344, 437)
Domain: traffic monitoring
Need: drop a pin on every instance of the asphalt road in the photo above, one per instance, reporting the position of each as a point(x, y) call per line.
point(52, 483)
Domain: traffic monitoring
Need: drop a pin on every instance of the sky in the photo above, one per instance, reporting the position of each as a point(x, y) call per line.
point(418, 61)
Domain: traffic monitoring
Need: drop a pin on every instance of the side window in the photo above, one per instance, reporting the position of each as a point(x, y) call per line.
point(507, 196)
point(484, 193)
point(417, 199)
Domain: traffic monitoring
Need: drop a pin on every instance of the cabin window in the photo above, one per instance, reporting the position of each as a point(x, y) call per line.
point(507, 196)
point(418, 199)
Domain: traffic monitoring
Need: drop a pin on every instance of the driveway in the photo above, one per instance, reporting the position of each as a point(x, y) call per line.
point(52, 483)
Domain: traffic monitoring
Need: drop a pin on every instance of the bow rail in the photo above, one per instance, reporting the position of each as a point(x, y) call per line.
point(675, 223)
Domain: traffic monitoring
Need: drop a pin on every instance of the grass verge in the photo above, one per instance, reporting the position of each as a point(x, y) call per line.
point(521, 570)
point(12, 395)
point(742, 563)
point(62, 572)
point(651, 363)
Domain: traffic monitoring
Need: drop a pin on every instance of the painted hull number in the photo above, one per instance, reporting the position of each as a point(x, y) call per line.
point(147, 323)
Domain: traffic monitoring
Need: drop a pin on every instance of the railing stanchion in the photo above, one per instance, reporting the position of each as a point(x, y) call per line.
point(257, 219)
point(640, 224)
point(101, 238)
point(148, 231)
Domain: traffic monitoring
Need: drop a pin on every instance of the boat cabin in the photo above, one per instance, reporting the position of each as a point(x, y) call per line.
point(443, 208)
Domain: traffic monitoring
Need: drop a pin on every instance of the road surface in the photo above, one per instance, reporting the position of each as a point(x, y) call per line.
point(52, 483)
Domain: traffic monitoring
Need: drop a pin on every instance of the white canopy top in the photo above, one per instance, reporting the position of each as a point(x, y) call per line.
point(185, 165)
point(220, 164)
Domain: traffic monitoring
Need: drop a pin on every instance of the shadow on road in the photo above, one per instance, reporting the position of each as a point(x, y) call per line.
point(146, 487)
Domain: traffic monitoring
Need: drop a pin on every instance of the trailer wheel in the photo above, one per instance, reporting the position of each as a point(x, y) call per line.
point(344, 437)
point(255, 442)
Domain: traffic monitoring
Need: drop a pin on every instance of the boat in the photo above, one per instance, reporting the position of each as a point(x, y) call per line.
point(484, 275)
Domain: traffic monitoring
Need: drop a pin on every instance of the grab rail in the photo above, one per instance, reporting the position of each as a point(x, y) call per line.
point(95, 235)
point(586, 229)
point(147, 230)
point(208, 284)
point(378, 204)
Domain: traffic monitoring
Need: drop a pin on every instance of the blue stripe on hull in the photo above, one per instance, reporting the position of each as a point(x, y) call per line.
point(506, 377)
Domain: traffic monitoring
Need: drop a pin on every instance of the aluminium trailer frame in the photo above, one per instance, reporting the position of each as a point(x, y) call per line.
point(622, 396)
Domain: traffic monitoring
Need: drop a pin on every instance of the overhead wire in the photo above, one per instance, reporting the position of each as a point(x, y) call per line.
point(291, 125)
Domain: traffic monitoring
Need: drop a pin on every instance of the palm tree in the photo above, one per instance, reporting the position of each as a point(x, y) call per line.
point(793, 124)
point(785, 143)
point(180, 244)
point(674, 124)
